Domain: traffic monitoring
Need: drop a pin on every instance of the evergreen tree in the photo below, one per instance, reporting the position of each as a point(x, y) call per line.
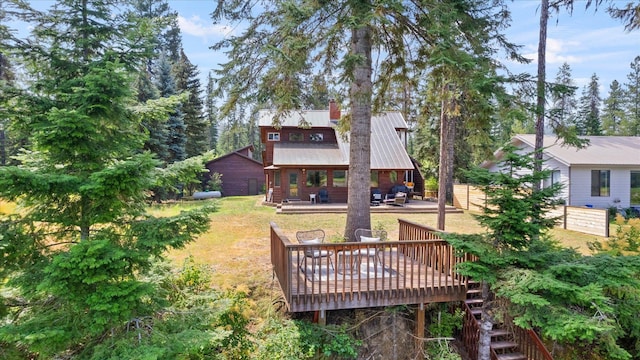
point(187, 80)
point(631, 125)
point(562, 112)
point(165, 23)
point(285, 39)
point(211, 113)
point(176, 140)
point(74, 257)
point(588, 119)
point(613, 113)
point(553, 290)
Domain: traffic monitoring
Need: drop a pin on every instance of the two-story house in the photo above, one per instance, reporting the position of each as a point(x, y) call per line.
point(303, 160)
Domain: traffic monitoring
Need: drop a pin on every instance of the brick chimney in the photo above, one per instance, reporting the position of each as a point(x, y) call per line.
point(334, 111)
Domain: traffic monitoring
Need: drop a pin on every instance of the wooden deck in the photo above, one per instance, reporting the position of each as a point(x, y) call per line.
point(416, 269)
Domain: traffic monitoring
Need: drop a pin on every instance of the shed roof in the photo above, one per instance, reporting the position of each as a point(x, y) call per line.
point(602, 150)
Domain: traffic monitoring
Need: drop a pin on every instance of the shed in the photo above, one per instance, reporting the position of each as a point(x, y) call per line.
point(241, 174)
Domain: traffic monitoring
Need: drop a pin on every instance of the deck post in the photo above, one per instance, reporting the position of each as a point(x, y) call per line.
point(420, 313)
point(322, 317)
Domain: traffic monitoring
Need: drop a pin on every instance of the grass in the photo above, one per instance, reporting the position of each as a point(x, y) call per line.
point(237, 244)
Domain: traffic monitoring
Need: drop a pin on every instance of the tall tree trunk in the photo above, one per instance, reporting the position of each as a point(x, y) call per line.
point(447, 140)
point(358, 212)
point(540, 88)
point(443, 167)
point(486, 324)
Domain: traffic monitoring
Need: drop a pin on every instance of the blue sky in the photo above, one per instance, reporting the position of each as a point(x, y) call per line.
point(589, 41)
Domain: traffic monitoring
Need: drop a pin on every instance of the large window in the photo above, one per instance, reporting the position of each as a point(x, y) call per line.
point(374, 179)
point(316, 178)
point(340, 178)
point(273, 136)
point(600, 182)
point(635, 188)
point(554, 178)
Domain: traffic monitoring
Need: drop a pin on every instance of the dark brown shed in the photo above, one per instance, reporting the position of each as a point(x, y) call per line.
point(241, 174)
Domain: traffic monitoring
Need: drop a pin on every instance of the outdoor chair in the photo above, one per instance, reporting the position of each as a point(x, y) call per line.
point(371, 236)
point(313, 237)
point(376, 197)
point(323, 195)
point(397, 199)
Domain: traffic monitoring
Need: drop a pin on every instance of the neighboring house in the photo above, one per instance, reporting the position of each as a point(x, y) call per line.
point(241, 174)
point(306, 154)
point(604, 174)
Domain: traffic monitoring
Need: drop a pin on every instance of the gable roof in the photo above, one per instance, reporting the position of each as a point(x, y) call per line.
point(602, 150)
point(387, 150)
point(237, 152)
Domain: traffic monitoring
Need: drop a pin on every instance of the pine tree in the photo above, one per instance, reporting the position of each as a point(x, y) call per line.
point(285, 40)
point(553, 290)
point(187, 80)
point(631, 125)
point(588, 118)
point(176, 139)
point(211, 113)
point(75, 255)
point(613, 113)
point(562, 112)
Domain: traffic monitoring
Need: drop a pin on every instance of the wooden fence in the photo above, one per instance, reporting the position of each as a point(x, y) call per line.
point(576, 218)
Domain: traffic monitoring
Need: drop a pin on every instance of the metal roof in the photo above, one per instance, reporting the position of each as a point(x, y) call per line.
point(387, 150)
point(602, 150)
point(308, 154)
point(293, 118)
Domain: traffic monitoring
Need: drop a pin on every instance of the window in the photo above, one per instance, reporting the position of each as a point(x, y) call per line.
point(554, 178)
point(635, 188)
point(316, 137)
point(374, 179)
point(316, 178)
point(393, 176)
point(273, 136)
point(339, 178)
point(600, 182)
point(276, 178)
point(296, 136)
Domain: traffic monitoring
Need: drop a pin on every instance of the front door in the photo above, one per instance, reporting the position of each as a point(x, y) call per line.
point(292, 188)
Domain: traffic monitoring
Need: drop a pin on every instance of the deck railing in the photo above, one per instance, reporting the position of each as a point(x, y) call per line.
point(393, 273)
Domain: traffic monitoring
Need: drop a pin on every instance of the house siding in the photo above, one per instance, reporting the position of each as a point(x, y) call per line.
point(619, 191)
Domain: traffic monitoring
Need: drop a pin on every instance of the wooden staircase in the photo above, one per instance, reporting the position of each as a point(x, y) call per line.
point(516, 344)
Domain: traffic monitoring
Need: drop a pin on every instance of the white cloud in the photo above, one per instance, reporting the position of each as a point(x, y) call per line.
point(195, 26)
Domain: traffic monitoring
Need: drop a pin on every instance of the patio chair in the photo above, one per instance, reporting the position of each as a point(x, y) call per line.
point(323, 195)
point(376, 197)
point(371, 236)
point(397, 199)
point(312, 237)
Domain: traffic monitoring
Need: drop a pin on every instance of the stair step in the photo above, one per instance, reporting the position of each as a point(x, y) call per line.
point(499, 332)
point(500, 345)
point(512, 356)
point(476, 312)
point(473, 301)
